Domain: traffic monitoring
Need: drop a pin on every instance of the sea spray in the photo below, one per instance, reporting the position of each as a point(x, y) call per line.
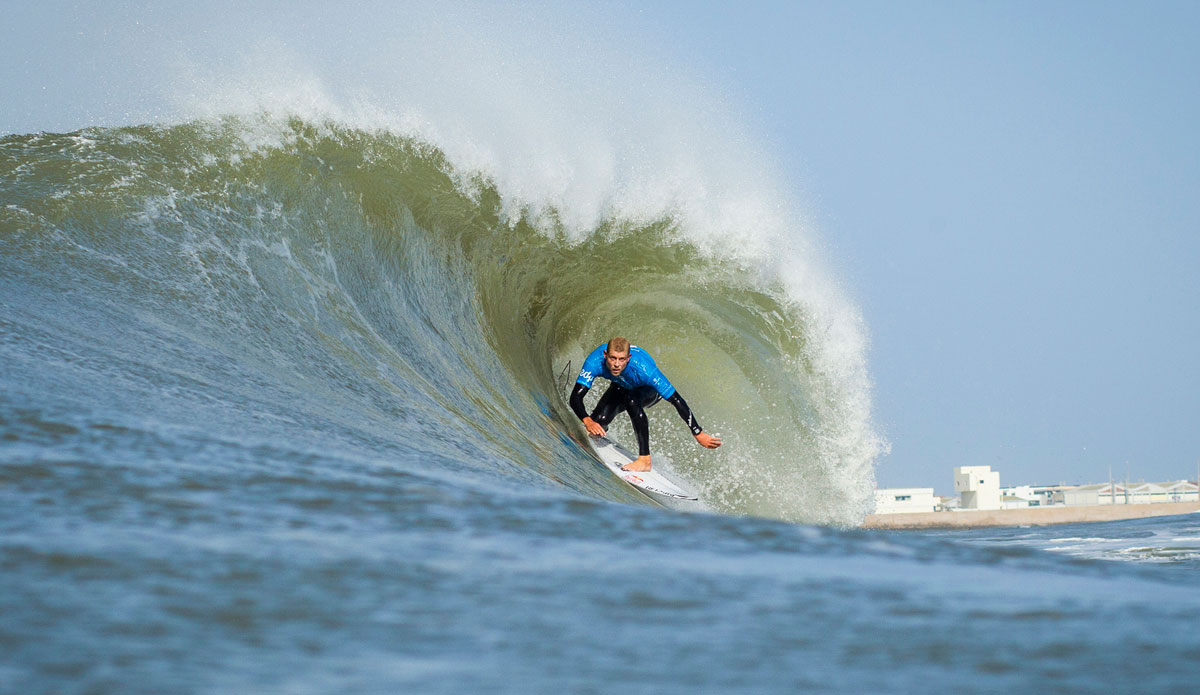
point(352, 264)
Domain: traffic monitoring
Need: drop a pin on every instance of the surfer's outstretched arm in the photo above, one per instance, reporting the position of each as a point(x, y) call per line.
point(706, 440)
point(577, 401)
point(594, 428)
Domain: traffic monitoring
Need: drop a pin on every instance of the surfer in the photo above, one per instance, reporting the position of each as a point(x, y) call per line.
point(637, 384)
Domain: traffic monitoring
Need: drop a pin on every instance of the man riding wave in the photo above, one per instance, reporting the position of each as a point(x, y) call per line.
point(637, 383)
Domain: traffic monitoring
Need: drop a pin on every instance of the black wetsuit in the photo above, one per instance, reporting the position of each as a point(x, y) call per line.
point(635, 402)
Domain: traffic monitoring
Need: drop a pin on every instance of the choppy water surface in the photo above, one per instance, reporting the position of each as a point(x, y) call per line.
point(289, 418)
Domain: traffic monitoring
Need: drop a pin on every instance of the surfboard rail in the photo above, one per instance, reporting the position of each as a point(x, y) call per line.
point(614, 456)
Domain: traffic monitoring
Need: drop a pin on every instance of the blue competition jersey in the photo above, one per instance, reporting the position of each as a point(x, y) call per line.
point(640, 371)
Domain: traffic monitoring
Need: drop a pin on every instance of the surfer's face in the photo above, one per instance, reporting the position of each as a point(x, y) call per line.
point(616, 361)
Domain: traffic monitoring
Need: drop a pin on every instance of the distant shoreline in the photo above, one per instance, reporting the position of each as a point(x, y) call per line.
point(1031, 516)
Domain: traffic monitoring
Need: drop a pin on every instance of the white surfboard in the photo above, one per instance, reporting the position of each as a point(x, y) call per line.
point(614, 456)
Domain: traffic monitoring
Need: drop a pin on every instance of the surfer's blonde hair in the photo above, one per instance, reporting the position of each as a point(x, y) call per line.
point(618, 344)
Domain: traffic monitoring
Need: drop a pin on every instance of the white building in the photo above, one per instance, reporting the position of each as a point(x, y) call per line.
point(1021, 496)
point(1050, 494)
point(1174, 491)
point(1010, 502)
point(1134, 493)
point(904, 500)
point(1181, 491)
point(1095, 493)
point(979, 487)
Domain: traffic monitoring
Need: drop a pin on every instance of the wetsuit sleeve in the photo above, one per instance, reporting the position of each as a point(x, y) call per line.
point(593, 366)
point(577, 401)
point(685, 412)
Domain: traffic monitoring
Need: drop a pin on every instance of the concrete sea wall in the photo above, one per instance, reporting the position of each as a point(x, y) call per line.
point(1033, 516)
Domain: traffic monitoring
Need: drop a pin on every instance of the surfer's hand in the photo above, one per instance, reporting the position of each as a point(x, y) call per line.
point(708, 441)
point(594, 427)
point(641, 465)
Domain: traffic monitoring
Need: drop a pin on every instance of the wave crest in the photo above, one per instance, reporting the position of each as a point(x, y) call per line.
point(362, 260)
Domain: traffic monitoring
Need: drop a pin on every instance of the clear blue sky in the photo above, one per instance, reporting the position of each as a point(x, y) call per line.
point(1010, 191)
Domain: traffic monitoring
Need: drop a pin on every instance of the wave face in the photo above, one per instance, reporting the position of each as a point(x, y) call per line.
point(290, 273)
point(282, 391)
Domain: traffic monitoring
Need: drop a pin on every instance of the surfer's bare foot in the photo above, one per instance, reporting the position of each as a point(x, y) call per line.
point(641, 465)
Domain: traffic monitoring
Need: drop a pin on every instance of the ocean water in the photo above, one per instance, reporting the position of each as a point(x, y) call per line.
point(282, 410)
